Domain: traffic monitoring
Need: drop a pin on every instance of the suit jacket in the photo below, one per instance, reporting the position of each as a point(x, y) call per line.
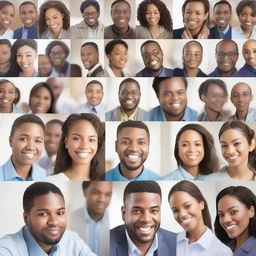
point(214, 34)
point(32, 33)
point(119, 245)
point(98, 72)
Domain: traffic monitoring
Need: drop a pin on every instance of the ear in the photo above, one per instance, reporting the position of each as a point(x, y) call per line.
point(252, 145)
point(116, 146)
point(10, 141)
point(201, 205)
point(251, 212)
point(25, 217)
point(123, 212)
point(203, 98)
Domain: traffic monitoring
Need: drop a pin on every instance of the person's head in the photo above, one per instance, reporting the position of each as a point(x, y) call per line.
point(90, 10)
point(246, 12)
point(7, 94)
point(129, 95)
point(237, 142)
point(222, 12)
point(56, 84)
point(58, 52)
point(226, 56)
point(117, 53)
point(241, 96)
point(53, 131)
point(154, 12)
point(44, 65)
point(249, 52)
point(172, 95)
point(28, 14)
point(89, 55)
point(82, 143)
point(41, 99)
point(26, 139)
point(5, 51)
point(7, 13)
point(192, 55)
point(152, 56)
point(194, 147)
point(213, 92)
point(141, 209)
point(45, 213)
point(195, 14)
point(98, 196)
point(132, 144)
point(236, 218)
point(121, 14)
point(94, 93)
point(53, 15)
point(17, 96)
point(189, 207)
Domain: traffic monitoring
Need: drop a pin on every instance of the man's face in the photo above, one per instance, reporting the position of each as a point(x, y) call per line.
point(47, 220)
point(222, 15)
point(249, 52)
point(89, 56)
point(44, 65)
point(53, 134)
point(152, 57)
point(172, 97)
point(28, 15)
point(94, 94)
point(56, 85)
point(121, 14)
point(192, 56)
point(129, 96)
point(142, 216)
point(98, 196)
point(132, 146)
point(91, 16)
point(58, 55)
point(226, 56)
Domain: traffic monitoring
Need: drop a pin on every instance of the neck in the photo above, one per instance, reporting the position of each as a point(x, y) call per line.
point(156, 73)
point(241, 172)
point(212, 115)
point(241, 239)
point(222, 28)
point(195, 32)
point(28, 73)
point(7, 109)
point(50, 154)
point(59, 67)
point(56, 34)
point(95, 216)
point(195, 234)
point(241, 115)
point(4, 67)
point(92, 27)
point(22, 170)
point(128, 112)
point(143, 247)
point(247, 32)
point(173, 118)
point(193, 170)
point(117, 71)
point(192, 72)
point(130, 174)
point(227, 74)
point(123, 30)
point(78, 172)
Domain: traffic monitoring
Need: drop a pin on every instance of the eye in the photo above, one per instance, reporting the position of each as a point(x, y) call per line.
point(39, 141)
point(141, 142)
point(198, 144)
point(92, 140)
point(23, 139)
point(76, 138)
point(184, 144)
point(233, 212)
point(42, 214)
point(137, 211)
point(154, 211)
point(236, 144)
point(220, 215)
point(62, 212)
point(187, 206)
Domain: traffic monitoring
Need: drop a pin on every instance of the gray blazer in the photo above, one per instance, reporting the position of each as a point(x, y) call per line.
point(47, 34)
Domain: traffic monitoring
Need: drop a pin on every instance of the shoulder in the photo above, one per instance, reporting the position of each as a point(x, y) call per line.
point(110, 114)
point(112, 174)
point(179, 72)
point(58, 177)
point(174, 175)
point(142, 32)
point(167, 241)
point(150, 175)
point(177, 33)
point(115, 232)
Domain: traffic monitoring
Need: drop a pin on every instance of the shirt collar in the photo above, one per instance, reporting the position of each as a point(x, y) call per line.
point(126, 117)
point(94, 68)
point(96, 107)
point(225, 30)
point(88, 218)
point(187, 175)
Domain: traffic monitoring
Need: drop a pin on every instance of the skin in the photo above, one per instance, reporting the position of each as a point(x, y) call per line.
point(47, 220)
point(191, 151)
point(56, 85)
point(27, 145)
point(5, 55)
point(241, 97)
point(98, 196)
point(234, 217)
point(153, 58)
point(249, 52)
point(132, 147)
point(7, 14)
point(247, 20)
point(129, 102)
point(222, 15)
point(173, 98)
point(44, 65)
point(54, 21)
point(94, 94)
point(41, 101)
point(91, 16)
point(58, 57)
point(152, 15)
point(7, 96)
point(28, 15)
point(89, 56)
point(141, 214)
point(187, 211)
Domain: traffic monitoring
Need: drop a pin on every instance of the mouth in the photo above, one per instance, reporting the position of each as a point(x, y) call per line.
point(186, 221)
point(231, 158)
point(6, 22)
point(249, 24)
point(153, 63)
point(230, 227)
point(175, 105)
point(192, 22)
point(192, 157)
point(54, 231)
point(5, 101)
point(122, 21)
point(25, 66)
point(83, 154)
point(91, 20)
point(29, 155)
point(40, 108)
point(222, 22)
point(28, 21)
point(122, 62)
point(50, 144)
point(133, 157)
point(145, 230)
point(54, 26)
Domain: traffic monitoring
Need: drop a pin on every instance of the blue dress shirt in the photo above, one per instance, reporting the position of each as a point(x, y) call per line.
point(166, 72)
point(248, 248)
point(247, 71)
point(217, 73)
point(115, 175)
point(8, 172)
point(87, 108)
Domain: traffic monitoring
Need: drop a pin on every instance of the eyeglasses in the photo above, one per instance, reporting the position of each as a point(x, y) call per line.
point(125, 93)
point(222, 55)
point(189, 55)
point(154, 53)
point(120, 12)
point(59, 54)
point(87, 14)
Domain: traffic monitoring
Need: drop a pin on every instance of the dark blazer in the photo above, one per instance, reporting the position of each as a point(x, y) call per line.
point(214, 34)
point(32, 33)
point(177, 33)
point(98, 72)
point(119, 245)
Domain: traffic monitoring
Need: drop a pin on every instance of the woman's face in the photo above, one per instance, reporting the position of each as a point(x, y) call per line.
point(54, 20)
point(6, 16)
point(187, 211)
point(235, 148)
point(194, 16)
point(57, 55)
point(152, 15)
point(118, 57)
point(7, 94)
point(82, 142)
point(192, 56)
point(191, 148)
point(5, 54)
point(247, 18)
point(41, 101)
point(234, 217)
point(25, 58)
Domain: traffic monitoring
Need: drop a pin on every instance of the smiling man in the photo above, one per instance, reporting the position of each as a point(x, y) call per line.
point(141, 233)
point(45, 230)
point(132, 147)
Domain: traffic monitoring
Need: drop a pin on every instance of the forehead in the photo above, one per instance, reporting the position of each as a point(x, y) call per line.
point(28, 128)
point(94, 86)
point(193, 46)
point(103, 186)
point(129, 86)
point(180, 197)
point(151, 7)
point(195, 5)
point(7, 84)
point(227, 46)
point(51, 11)
point(232, 134)
point(25, 48)
point(89, 48)
point(57, 48)
point(143, 200)
point(150, 47)
point(247, 8)
point(90, 8)
point(133, 133)
point(44, 58)
point(228, 201)
point(4, 46)
point(249, 44)
point(120, 5)
point(241, 87)
point(53, 127)
point(222, 7)
point(25, 7)
point(55, 82)
point(172, 84)
point(214, 88)
point(190, 134)
point(82, 127)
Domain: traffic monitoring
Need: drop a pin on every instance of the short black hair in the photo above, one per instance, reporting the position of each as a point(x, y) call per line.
point(149, 42)
point(223, 2)
point(119, 1)
point(88, 3)
point(244, 3)
point(86, 184)
point(91, 44)
point(110, 45)
point(94, 82)
point(38, 189)
point(55, 121)
point(55, 43)
point(149, 186)
point(128, 80)
point(6, 41)
point(28, 3)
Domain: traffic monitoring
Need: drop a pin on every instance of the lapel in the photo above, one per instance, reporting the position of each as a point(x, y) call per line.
point(122, 248)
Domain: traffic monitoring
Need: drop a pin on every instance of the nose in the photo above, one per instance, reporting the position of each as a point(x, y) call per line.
point(83, 144)
point(146, 217)
point(225, 219)
point(30, 144)
point(101, 198)
point(133, 146)
point(53, 220)
point(191, 148)
point(230, 149)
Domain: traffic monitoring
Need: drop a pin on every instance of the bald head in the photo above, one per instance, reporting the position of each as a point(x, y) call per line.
point(56, 85)
point(249, 52)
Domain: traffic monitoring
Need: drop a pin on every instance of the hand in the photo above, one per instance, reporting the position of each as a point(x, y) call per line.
point(186, 34)
point(204, 33)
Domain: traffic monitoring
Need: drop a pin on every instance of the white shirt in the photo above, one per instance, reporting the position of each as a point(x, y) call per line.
point(8, 34)
point(238, 33)
point(87, 108)
point(57, 177)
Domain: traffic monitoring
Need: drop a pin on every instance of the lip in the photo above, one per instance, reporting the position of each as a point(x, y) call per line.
point(83, 155)
point(186, 221)
point(91, 20)
point(53, 231)
point(231, 158)
point(192, 157)
point(230, 228)
point(175, 105)
point(145, 229)
point(29, 155)
point(25, 66)
point(222, 22)
point(6, 22)
point(4, 100)
point(40, 108)
point(153, 63)
point(133, 157)
point(28, 21)
point(122, 21)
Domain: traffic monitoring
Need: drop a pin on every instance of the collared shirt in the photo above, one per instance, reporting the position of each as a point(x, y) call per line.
point(87, 108)
point(157, 114)
point(24, 33)
point(247, 71)
point(181, 174)
point(183, 73)
point(207, 245)
point(8, 34)
point(125, 117)
point(251, 116)
point(116, 175)
point(47, 163)
point(134, 251)
point(93, 69)
point(204, 117)
point(8, 172)
point(217, 34)
point(248, 248)
point(238, 33)
point(217, 73)
point(166, 72)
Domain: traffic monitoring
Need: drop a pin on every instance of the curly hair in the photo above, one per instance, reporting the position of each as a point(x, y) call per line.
point(58, 5)
point(55, 43)
point(64, 161)
point(165, 16)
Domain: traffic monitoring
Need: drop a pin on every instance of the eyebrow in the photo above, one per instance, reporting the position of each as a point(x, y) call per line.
point(230, 208)
point(46, 209)
point(231, 141)
point(77, 134)
point(182, 204)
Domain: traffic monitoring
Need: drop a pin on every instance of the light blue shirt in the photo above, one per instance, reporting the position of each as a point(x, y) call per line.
point(251, 115)
point(222, 174)
point(238, 33)
point(23, 243)
point(8, 172)
point(16, 110)
point(207, 245)
point(24, 33)
point(181, 174)
point(115, 175)
point(248, 248)
point(87, 108)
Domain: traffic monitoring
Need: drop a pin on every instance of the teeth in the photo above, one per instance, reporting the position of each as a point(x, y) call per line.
point(133, 156)
point(91, 20)
point(186, 221)
point(248, 23)
point(129, 101)
point(154, 62)
point(222, 21)
point(5, 101)
point(145, 229)
point(25, 66)
point(30, 155)
point(54, 26)
point(176, 105)
point(230, 227)
point(192, 22)
point(121, 20)
point(83, 155)
point(122, 62)
point(28, 21)
point(40, 108)
point(6, 22)
point(192, 157)
point(232, 157)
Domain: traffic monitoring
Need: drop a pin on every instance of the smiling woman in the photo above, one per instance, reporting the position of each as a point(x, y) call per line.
point(7, 12)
